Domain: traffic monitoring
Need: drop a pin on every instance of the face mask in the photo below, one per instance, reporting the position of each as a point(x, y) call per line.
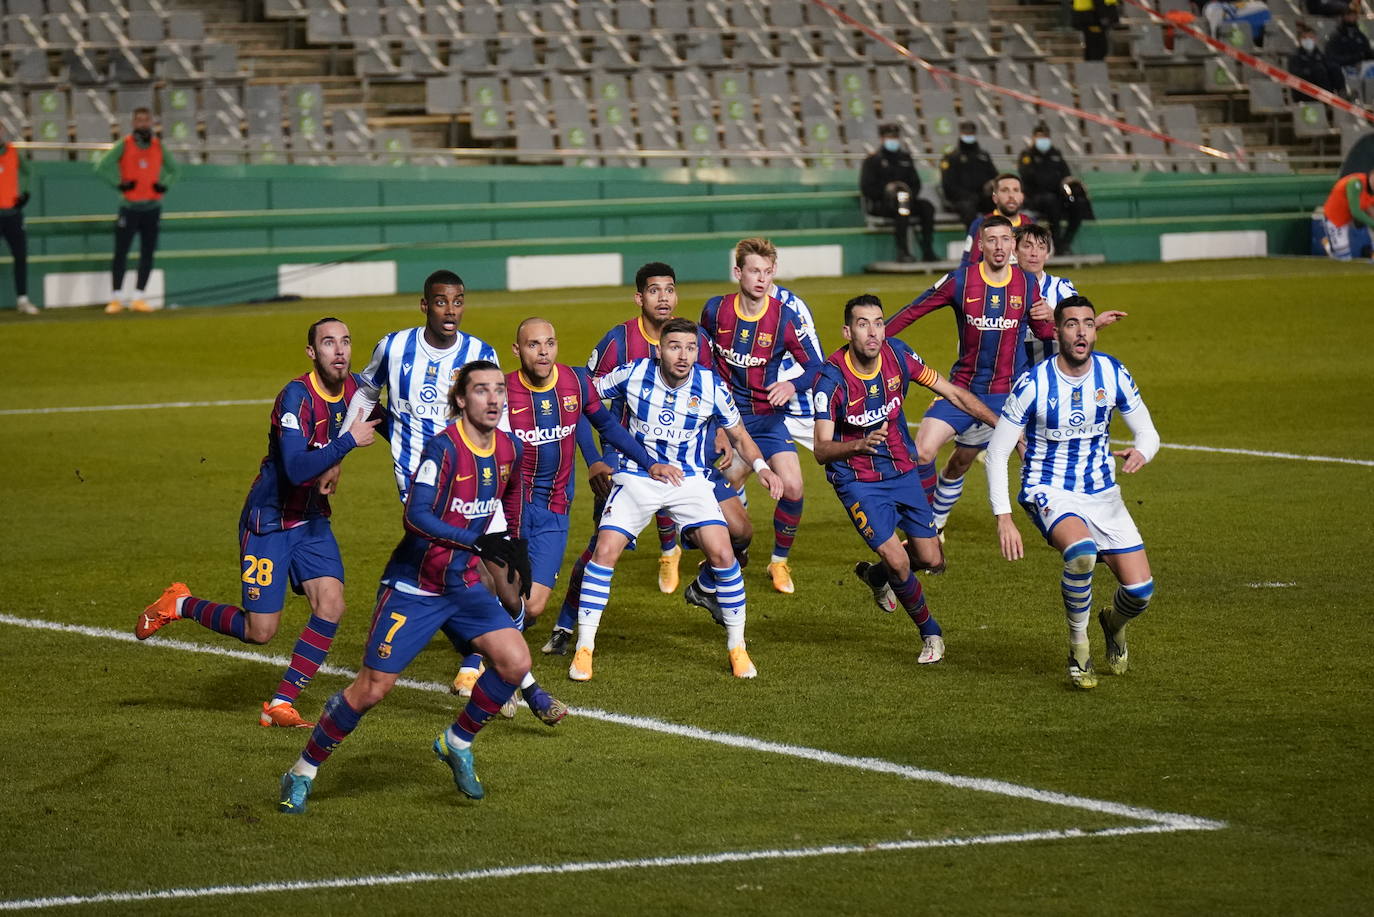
point(1042, 144)
point(969, 139)
point(143, 134)
point(891, 145)
point(1308, 44)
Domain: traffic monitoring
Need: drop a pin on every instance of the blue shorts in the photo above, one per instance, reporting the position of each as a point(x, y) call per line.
point(547, 534)
point(879, 508)
point(721, 484)
point(769, 432)
point(269, 561)
point(941, 409)
point(403, 624)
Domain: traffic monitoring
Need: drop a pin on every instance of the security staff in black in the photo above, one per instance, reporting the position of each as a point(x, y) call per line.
point(965, 174)
point(1052, 193)
point(1094, 18)
point(890, 186)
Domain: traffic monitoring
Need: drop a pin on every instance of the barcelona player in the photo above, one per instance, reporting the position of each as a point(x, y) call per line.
point(870, 460)
point(991, 300)
point(1034, 246)
point(284, 532)
point(1007, 198)
point(464, 476)
point(749, 332)
point(1064, 406)
point(674, 404)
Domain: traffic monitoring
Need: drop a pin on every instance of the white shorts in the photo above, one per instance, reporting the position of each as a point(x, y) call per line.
point(635, 498)
point(977, 435)
point(1337, 240)
point(1109, 523)
point(802, 430)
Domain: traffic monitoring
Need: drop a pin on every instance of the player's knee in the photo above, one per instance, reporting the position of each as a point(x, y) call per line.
point(535, 605)
point(261, 628)
point(511, 663)
point(1080, 557)
point(740, 546)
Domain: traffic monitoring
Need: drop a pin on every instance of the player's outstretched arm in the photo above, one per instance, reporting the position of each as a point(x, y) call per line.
point(963, 399)
point(1004, 438)
point(1110, 317)
point(1146, 439)
point(938, 296)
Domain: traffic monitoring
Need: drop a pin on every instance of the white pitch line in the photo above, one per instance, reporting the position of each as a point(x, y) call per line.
point(163, 405)
point(157, 406)
point(573, 868)
point(820, 756)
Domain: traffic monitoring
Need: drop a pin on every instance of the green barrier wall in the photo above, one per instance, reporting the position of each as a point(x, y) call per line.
point(226, 228)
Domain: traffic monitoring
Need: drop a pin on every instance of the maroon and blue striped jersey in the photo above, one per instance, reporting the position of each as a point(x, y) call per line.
point(973, 243)
point(748, 350)
point(989, 318)
point(456, 489)
point(545, 420)
point(304, 441)
point(859, 403)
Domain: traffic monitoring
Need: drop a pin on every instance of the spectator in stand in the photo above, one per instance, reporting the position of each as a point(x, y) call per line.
point(1349, 47)
point(1310, 63)
point(1094, 18)
point(965, 173)
point(890, 188)
point(1047, 183)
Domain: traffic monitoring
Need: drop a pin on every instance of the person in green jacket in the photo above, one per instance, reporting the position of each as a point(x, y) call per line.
point(141, 169)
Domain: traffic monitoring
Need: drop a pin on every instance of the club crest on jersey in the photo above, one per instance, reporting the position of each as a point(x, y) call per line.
point(1014, 301)
point(893, 382)
point(570, 403)
point(1100, 396)
point(503, 472)
point(545, 405)
point(453, 375)
point(693, 403)
point(765, 339)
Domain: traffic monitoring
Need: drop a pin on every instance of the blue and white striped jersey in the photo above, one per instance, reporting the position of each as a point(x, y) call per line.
point(417, 378)
point(1066, 421)
point(800, 405)
point(1053, 290)
point(674, 424)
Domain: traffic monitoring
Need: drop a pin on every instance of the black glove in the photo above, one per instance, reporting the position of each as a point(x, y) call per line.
point(159, 187)
point(23, 199)
point(505, 551)
point(127, 185)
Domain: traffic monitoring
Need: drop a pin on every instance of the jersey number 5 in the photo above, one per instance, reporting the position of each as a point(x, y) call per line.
point(257, 570)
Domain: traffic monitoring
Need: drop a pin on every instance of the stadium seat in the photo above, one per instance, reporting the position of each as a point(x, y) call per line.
point(574, 130)
point(48, 121)
point(323, 27)
point(974, 44)
point(520, 89)
point(1019, 45)
point(480, 18)
point(516, 55)
point(82, 69)
point(565, 55)
point(1266, 96)
point(177, 114)
point(568, 87)
point(186, 25)
point(487, 108)
point(468, 56)
point(556, 18)
point(1310, 120)
point(221, 60)
point(634, 16)
point(444, 95)
point(390, 146)
point(439, 20)
point(144, 29)
point(610, 52)
point(672, 15)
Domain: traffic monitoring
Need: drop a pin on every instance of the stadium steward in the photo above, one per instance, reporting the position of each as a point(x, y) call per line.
point(965, 172)
point(891, 188)
point(14, 195)
point(141, 169)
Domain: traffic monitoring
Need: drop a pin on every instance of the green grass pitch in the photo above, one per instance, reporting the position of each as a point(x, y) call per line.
point(133, 769)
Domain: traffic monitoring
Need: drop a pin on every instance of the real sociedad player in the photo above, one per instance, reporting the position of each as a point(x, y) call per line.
point(991, 301)
point(749, 331)
point(284, 532)
point(634, 339)
point(863, 441)
point(1064, 406)
point(673, 403)
point(417, 367)
point(545, 402)
point(463, 477)
point(1034, 245)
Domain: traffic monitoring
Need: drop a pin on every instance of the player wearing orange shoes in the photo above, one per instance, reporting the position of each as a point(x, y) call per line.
point(284, 531)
